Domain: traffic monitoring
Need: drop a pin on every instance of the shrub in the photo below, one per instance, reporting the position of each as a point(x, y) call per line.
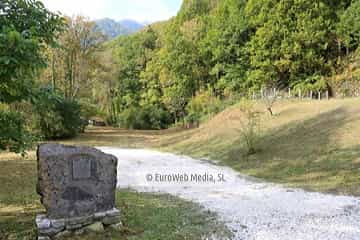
point(203, 105)
point(192, 120)
point(89, 110)
point(145, 118)
point(313, 83)
point(72, 122)
point(249, 126)
point(58, 117)
point(13, 134)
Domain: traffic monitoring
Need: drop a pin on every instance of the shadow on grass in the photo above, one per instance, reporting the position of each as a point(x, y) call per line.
point(300, 154)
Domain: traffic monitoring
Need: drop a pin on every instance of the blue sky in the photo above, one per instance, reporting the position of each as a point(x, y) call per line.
point(139, 10)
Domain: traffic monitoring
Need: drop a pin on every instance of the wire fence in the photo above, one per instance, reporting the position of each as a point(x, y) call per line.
point(289, 94)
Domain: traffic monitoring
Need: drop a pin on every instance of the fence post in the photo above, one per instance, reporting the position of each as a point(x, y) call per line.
point(311, 94)
point(300, 94)
point(262, 93)
point(289, 92)
point(254, 97)
point(319, 95)
point(327, 94)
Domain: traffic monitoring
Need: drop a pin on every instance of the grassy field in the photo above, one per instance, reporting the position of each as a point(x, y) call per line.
point(145, 216)
point(313, 145)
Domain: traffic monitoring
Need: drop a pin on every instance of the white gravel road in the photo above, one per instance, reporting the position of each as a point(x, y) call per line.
point(251, 209)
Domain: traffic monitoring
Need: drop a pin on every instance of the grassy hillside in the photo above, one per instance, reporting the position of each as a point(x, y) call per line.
point(309, 144)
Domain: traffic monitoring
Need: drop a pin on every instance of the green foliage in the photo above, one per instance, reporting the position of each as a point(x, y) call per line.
point(302, 40)
point(19, 59)
point(232, 46)
point(14, 135)
point(58, 117)
point(194, 8)
point(223, 46)
point(204, 104)
point(348, 27)
point(25, 27)
point(147, 117)
point(311, 83)
point(88, 109)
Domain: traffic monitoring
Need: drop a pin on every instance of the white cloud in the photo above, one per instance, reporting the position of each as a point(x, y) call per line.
point(140, 10)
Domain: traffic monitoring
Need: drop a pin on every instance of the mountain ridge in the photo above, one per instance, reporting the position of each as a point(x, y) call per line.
point(112, 28)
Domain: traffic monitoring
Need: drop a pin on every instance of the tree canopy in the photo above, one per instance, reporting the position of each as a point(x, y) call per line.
point(228, 47)
point(26, 27)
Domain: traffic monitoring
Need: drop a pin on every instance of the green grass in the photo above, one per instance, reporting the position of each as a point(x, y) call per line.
point(144, 216)
point(309, 144)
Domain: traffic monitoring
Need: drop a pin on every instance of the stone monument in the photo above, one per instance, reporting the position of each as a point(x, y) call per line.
point(77, 188)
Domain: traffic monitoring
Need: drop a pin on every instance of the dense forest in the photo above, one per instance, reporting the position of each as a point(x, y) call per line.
point(56, 72)
point(214, 50)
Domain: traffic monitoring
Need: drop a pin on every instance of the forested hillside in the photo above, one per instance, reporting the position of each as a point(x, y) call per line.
point(57, 72)
point(214, 50)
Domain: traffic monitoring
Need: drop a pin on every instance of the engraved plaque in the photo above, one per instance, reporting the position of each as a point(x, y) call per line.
point(81, 167)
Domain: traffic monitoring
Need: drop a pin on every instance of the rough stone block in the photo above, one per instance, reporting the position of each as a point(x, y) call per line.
point(63, 234)
point(116, 227)
point(77, 188)
point(75, 181)
point(95, 227)
point(110, 220)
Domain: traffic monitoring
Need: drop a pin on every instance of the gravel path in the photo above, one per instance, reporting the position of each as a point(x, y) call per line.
point(252, 209)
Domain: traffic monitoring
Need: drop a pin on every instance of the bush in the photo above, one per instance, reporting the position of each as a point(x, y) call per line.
point(312, 83)
point(71, 118)
point(89, 110)
point(192, 120)
point(145, 118)
point(13, 134)
point(249, 126)
point(203, 105)
point(58, 117)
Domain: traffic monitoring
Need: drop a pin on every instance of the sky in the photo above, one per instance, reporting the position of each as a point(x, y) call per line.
point(140, 10)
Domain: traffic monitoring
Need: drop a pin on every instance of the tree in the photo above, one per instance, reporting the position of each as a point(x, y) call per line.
point(26, 28)
point(293, 40)
point(75, 60)
point(228, 47)
point(348, 28)
point(223, 46)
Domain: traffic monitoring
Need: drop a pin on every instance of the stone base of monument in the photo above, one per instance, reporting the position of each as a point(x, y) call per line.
point(54, 228)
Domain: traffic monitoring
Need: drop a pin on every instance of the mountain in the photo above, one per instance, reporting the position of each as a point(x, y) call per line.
point(112, 28)
point(132, 25)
